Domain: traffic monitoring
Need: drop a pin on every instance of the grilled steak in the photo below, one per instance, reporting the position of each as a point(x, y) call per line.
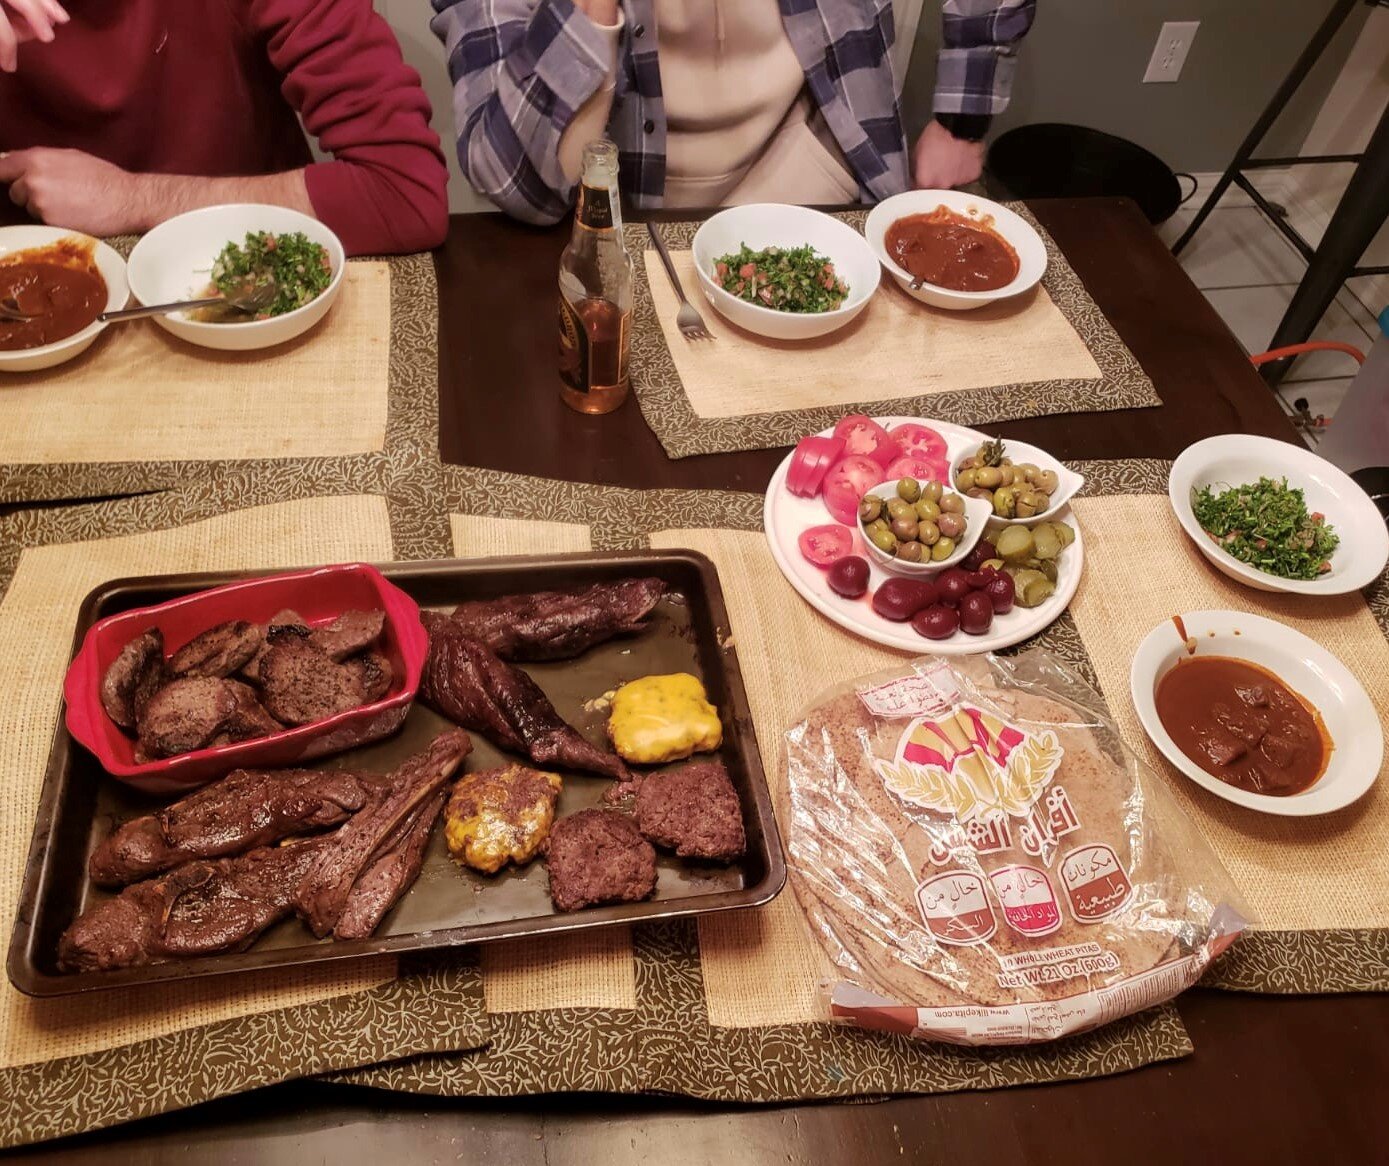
point(300, 684)
point(219, 651)
point(597, 856)
point(348, 634)
point(558, 625)
point(134, 676)
point(468, 683)
point(186, 714)
point(326, 886)
point(390, 874)
point(202, 908)
point(249, 807)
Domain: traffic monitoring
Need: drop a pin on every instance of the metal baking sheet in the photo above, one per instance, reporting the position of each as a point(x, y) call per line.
point(447, 906)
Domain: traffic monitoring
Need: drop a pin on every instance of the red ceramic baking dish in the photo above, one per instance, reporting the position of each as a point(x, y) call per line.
point(319, 594)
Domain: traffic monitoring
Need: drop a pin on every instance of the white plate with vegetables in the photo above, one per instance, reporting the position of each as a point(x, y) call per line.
point(185, 257)
point(1277, 517)
point(819, 541)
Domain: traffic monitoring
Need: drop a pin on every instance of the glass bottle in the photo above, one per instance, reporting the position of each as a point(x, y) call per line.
point(595, 292)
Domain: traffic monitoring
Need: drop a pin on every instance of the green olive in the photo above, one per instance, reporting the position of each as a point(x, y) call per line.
point(1047, 482)
point(876, 524)
point(952, 504)
point(1032, 502)
point(933, 491)
point(942, 550)
point(1006, 501)
point(870, 508)
point(909, 552)
point(1027, 472)
point(990, 477)
point(969, 463)
point(928, 532)
point(884, 540)
point(905, 528)
point(980, 492)
point(899, 508)
point(952, 525)
point(926, 510)
point(1014, 545)
point(1009, 475)
point(964, 480)
point(909, 489)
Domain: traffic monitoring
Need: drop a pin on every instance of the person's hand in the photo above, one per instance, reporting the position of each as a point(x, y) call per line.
point(941, 160)
point(24, 20)
point(72, 189)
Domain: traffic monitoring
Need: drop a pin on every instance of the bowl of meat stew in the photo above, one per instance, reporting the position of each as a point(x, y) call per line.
point(265, 672)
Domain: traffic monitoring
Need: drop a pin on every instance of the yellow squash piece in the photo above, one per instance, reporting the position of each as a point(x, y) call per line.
point(663, 718)
point(496, 816)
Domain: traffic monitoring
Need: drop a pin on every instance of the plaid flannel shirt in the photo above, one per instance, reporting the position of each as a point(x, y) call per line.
point(522, 68)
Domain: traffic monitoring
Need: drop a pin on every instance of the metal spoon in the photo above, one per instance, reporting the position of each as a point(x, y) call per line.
point(249, 299)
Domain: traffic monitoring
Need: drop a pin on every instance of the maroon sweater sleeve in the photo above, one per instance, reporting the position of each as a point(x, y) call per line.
point(386, 188)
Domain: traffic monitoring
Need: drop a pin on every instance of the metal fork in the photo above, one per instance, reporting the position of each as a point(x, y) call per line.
point(688, 320)
point(9, 310)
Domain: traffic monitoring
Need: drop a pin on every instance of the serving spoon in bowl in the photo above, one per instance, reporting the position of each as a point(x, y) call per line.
point(248, 300)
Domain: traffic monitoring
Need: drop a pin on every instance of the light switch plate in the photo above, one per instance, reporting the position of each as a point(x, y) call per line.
point(1169, 54)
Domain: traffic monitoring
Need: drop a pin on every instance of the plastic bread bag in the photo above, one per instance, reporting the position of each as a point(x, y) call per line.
point(985, 862)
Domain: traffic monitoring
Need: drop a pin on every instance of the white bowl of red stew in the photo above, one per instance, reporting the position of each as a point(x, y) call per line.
point(784, 272)
point(1256, 713)
point(63, 280)
point(967, 251)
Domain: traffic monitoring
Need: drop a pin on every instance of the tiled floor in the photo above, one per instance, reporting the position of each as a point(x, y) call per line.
point(1249, 271)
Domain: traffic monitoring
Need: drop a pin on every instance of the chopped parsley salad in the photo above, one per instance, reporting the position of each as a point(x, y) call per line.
point(300, 268)
point(787, 279)
point(1266, 524)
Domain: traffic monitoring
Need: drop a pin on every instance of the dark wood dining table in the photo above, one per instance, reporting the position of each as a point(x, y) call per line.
point(1272, 1079)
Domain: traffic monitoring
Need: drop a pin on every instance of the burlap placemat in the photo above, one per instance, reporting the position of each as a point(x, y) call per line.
point(1318, 887)
point(726, 1009)
point(142, 410)
point(133, 1052)
point(1051, 351)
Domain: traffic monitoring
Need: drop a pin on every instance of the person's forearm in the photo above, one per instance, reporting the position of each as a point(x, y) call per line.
point(156, 197)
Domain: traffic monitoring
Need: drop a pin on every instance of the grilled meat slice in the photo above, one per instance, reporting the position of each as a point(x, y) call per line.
point(248, 719)
point(134, 676)
point(300, 684)
point(284, 622)
point(202, 908)
point(326, 886)
point(558, 625)
point(374, 674)
point(186, 714)
point(249, 807)
point(468, 683)
point(348, 634)
point(219, 651)
point(390, 874)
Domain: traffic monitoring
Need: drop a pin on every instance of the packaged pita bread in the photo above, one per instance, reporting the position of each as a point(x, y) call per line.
point(985, 861)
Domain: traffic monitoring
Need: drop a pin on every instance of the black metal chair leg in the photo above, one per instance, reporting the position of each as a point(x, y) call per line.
point(1358, 218)
point(1328, 28)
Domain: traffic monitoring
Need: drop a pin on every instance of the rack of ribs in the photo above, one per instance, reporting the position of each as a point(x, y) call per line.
point(558, 625)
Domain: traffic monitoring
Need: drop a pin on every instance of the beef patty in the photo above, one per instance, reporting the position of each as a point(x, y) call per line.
point(598, 856)
point(693, 811)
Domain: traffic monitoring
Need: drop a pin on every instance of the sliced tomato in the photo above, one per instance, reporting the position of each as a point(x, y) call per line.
point(864, 437)
point(823, 545)
point(850, 479)
point(913, 440)
point(813, 459)
point(922, 469)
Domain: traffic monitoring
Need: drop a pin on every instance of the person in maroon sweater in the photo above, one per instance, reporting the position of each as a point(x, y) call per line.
point(131, 112)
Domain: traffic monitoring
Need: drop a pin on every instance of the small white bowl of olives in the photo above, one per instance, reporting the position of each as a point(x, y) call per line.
point(913, 527)
point(1022, 484)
